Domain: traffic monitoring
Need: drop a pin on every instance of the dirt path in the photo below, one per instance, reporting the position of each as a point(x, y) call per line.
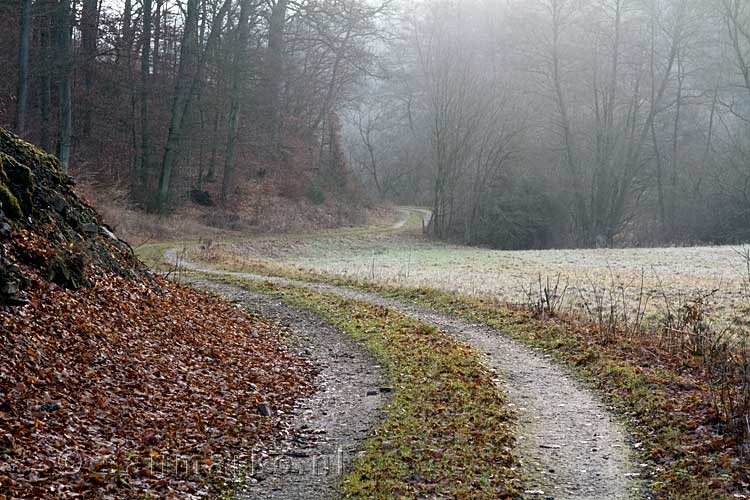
point(327, 429)
point(569, 444)
point(426, 216)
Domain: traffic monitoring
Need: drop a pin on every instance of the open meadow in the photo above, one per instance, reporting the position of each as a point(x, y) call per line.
point(634, 284)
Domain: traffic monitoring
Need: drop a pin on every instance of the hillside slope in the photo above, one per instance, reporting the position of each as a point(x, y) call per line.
point(115, 382)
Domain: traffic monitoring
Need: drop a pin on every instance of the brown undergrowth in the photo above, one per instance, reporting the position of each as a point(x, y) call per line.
point(134, 388)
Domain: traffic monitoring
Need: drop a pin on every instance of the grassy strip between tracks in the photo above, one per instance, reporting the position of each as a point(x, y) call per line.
point(447, 430)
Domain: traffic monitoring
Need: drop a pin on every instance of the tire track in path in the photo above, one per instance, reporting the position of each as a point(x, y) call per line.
point(328, 428)
point(570, 445)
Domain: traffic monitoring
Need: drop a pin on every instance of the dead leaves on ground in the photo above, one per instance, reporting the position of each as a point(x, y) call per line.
point(134, 387)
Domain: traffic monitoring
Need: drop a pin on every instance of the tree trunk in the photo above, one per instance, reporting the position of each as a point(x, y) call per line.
point(659, 181)
point(676, 148)
point(89, 31)
point(45, 78)
point(275, 70)
point(654, 138)
point(144, 169)
point(23, 68)
point(211, 174)
point(157, 37)
point(126, 44)
point(331, 91)
point(181, 101)
point(63, 43)
point(238, 66)
point(579, 204)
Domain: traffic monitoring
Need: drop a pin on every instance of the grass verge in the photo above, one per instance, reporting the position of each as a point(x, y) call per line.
point(447, 431)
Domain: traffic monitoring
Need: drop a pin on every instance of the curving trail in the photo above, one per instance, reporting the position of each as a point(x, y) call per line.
point(570, 445)
point(326, 429)
point(407, 212)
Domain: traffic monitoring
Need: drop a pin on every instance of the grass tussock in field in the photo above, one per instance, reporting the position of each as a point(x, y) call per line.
point(447, 431)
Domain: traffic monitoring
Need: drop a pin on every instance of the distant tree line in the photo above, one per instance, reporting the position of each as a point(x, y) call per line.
point(538, 123)
point(164, 96)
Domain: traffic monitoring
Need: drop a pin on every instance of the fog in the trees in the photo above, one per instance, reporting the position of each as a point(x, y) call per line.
point(519, 123)
point(537, 123)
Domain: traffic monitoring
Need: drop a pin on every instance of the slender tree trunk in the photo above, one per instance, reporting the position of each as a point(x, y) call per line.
point(599, 214)
point(238, 66)
point(657, 152)
point(659, 181)
point(89, 29)
point(330, 93)
point(710, 133)
point(186, 87)
point(211, 174)
point(45, 78)
point(144, 169)
point(675, 148)
point(63, 43)
point(275, 69)
point(157, 37)
point(181, 101)
point(23, 68)
point(126, 46)
point(579, 209)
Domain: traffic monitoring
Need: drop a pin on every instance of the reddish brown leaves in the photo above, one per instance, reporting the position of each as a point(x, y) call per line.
point(134, 386)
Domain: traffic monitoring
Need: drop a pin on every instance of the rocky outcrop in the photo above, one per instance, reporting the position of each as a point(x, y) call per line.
point(48, 233)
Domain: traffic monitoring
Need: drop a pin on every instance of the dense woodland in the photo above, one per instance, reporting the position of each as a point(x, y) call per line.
point(522, 124)
point(169, 97)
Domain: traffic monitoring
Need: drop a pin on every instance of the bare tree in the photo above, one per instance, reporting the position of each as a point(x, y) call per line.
point(89, 36)
point(23, 67)
point(144, 166)
point(275, 68)
point(181, 100)
point(238, 66)
point(62, 48)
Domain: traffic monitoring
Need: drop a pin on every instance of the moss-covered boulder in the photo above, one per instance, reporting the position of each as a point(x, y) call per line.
point(47, 232)
point(16, 187)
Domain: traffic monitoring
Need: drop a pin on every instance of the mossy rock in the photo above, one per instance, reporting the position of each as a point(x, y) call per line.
point(28, 154)
point(9, 204)
point(38, 198)
point(16, 187)
point(68, 270)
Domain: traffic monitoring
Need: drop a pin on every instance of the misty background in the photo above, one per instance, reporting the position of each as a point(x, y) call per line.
point(520, 124)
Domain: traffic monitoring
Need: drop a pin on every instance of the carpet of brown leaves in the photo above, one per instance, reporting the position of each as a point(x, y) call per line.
point(135, 387)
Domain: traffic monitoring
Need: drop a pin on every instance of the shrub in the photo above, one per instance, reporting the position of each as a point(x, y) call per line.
point(315, 194)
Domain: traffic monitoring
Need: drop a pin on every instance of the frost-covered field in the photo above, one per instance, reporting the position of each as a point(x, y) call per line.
point(648, 277)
